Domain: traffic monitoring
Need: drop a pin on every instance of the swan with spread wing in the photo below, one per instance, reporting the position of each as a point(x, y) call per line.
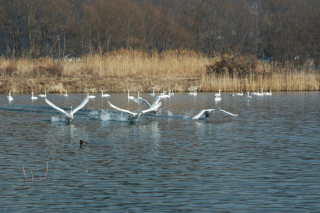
point(207, 112)
point(69, 116)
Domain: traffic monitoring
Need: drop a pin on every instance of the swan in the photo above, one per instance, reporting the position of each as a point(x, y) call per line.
point(69, 116)
point(268, 93)
point(207, 112)
point(152, 94)
point(255, 93)
point(10, 97)
point(43, 95)
point(241, 94)
point(65, 95)
point(33, 97)
point(104, 95)
point(130, 97)
point(233, 94)
point(217, 98)
point(172, 92)
point(139, 95)
point(90, 96)
point(249, 97)
point(218, 94)
point(194, 93)
point(158, 98)
point(133, 116)
point(260, 94)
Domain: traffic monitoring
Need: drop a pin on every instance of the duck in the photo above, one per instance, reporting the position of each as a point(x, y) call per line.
point(83, 142)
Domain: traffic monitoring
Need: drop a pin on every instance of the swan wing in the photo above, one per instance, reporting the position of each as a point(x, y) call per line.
point(202, 112)
point(158, 98)
point(153, 108)
point(84, 102)
point(122, 110)
point(54, 106)
point(228, 112)
point(140, 100)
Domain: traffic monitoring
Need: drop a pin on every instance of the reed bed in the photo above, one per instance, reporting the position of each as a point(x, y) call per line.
point(135, 70)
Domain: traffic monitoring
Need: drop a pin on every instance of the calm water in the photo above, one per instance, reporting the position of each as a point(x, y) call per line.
point(265, 160)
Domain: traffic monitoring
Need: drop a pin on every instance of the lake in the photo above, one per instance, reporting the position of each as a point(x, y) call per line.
point(267, 159)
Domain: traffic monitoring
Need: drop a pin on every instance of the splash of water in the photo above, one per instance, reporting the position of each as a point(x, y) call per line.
point(56, 119)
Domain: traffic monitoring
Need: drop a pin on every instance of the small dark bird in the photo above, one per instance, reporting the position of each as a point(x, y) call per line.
point(83, 142)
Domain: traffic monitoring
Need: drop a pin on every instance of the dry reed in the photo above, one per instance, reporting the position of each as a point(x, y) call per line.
point(135, 70)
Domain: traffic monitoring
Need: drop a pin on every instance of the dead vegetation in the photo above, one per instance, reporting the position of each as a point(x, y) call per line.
point(136, 70)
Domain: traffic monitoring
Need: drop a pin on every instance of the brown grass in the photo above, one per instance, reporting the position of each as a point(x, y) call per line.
point(136, 70)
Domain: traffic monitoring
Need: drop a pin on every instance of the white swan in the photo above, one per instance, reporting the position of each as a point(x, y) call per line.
point(217, 98)
point(172, 92)
point(207, 112)
point(33, 97)
point(155, 103)
point(248, 96)
point(65, 95)
point(90, 96)
point(152, 94)
point(133, 116)
point(104, 95)
point(268, 93)
point(260, 94)
point(43, 95)
point(218, 94)
point(9, 96)
point(130, 97)
point(255, 93)
point(194, 93)
point(233, 94)
point(139, 95)
point(69, 116)
point(240, 94)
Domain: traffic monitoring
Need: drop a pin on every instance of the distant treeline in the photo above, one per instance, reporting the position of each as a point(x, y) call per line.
point(272, 30)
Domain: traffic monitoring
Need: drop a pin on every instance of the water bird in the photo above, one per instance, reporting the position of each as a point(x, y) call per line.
point(194, 93)
point(104, 95)
point(133, 116)
point(268, 93)
point(217, 98)
point(207, 112)
point(130, 97)
point(83, 142)
point(152, 94)
point(248, 96)
point(69, 116)
point(156, 102)
point(233, 93)
point(218, 94)
point(139, 95)
point(43, 95)
point(90, 96)
point(33, 97)
point(240, 94)
point(9, 96)
point(255, 93)
point(66, 94)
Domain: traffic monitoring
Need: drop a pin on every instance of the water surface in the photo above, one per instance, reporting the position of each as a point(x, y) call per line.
point(265, 160)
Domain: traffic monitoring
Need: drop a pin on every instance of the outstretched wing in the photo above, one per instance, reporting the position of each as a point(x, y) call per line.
point(54, 106)
point(203, 112)
point(158, 98)
point(122, 110)
point(228, 112)
point(153, 108)
point(140, 100)
point(84, 102)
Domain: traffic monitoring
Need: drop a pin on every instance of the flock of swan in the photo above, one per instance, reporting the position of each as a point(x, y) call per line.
point(151, 108)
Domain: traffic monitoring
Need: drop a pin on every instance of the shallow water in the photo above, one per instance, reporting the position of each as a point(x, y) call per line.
point(265, 160)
